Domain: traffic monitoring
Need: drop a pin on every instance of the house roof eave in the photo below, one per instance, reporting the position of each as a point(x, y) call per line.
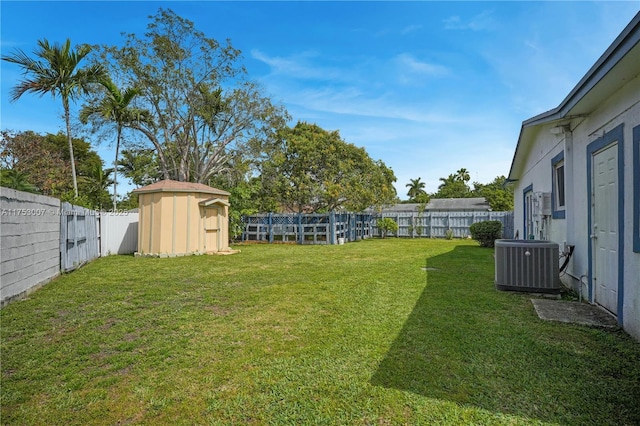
point(627, 42)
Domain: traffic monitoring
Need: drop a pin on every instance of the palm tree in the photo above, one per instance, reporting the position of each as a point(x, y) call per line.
point(95, 183)
point(55, 70)
point(416, 188)
point(115, 107)
point(12, 178)
point(463, 175)
point(449, 180)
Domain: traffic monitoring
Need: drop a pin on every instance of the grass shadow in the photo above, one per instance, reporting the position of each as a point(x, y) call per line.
point(468, 343)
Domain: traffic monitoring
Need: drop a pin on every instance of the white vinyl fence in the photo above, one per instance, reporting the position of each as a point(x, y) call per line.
point(118, 233)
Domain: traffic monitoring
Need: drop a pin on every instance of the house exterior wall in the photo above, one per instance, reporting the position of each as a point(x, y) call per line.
point(622, 108)
point(172, 224)
point(537, 176)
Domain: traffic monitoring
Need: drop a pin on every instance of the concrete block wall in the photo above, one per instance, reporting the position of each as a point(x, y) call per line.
point(29, 242)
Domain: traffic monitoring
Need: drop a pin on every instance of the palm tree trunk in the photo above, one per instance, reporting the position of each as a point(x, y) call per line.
point(65, 103)
point(115, 170)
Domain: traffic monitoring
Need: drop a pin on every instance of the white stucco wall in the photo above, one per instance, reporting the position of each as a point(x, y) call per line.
point(623, 107)
point(538, 174)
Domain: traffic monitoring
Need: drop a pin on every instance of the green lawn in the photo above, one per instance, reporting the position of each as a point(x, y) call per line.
point(281, 334)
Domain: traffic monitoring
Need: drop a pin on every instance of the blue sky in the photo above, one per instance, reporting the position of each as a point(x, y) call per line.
point(427, 87)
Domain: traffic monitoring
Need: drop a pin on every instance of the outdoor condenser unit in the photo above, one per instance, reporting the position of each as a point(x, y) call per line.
point(527, 265)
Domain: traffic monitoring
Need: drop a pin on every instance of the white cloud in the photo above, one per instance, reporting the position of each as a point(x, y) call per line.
point(352, 101)
point(410, 29)
point(411, 64)
point(297, 66)
point(481, 22)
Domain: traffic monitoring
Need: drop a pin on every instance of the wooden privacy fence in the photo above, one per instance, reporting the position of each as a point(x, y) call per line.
point(437, 224)
point(329, 228)
point(334, 228)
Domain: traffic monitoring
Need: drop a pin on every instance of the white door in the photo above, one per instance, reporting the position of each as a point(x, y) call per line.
point(605, 227)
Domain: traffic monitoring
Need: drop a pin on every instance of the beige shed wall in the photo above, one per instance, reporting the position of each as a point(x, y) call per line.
point(173, 223)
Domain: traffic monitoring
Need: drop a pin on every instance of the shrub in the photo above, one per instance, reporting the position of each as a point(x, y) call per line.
point(386, 225)
point(487, 232)
point(449, 234)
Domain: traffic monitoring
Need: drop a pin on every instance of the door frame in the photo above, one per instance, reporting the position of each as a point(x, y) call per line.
point(614, 136)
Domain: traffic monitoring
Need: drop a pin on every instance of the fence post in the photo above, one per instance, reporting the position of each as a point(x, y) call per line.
point(354, 232)
point(332, 228)
point(300, 229)
point(270, 228)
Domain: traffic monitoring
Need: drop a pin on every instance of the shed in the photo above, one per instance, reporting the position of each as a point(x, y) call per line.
point(182, 218)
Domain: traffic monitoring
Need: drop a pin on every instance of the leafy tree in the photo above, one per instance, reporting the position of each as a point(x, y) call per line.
point(498, 193)
point(16, 180)
point(55, 70)
point(244, 190)
point(453, 186)
point(386, 225)
point(39, 160)
point(45, 162)
point(140, 166)
point(202, 106)
point(381, 185)
point(128, 201)
point(416, 189)
point(315, 170)
point(115, 107)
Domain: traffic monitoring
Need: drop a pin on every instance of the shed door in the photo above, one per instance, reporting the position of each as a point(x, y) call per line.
point(211, 230)
point(604, 231)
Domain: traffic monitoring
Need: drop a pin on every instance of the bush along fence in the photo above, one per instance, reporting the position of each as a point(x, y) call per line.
point(336, 228)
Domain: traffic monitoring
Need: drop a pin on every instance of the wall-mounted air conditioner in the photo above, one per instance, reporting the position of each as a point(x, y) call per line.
point(527, 265)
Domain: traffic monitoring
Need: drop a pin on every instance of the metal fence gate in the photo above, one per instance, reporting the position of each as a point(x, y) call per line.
point(79, 236)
